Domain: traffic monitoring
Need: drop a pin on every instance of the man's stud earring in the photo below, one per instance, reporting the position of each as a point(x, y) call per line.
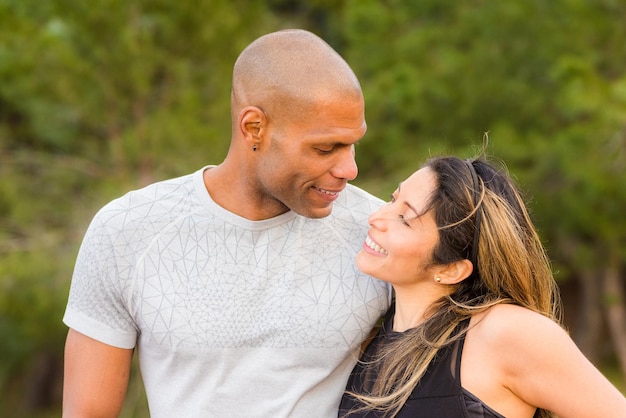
point(254, 147)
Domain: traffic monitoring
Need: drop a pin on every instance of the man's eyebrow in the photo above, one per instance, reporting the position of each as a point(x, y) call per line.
point(334, 143)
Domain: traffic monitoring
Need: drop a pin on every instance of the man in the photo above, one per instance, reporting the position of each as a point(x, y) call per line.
point(237, 283)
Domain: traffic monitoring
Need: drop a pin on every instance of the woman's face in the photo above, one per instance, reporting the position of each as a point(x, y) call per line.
point(401, 239)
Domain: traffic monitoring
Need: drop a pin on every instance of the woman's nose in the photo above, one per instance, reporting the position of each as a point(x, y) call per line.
point(377, 218)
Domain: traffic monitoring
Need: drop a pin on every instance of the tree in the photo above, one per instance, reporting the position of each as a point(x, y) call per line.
point(546, 80)
point(104, 96)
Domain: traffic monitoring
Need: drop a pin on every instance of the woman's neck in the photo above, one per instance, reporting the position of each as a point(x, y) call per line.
point(412, 304)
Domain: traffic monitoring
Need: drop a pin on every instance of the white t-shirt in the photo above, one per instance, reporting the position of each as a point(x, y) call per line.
point(230, 317)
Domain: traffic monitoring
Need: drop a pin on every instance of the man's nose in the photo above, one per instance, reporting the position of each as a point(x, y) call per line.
point(346, 167)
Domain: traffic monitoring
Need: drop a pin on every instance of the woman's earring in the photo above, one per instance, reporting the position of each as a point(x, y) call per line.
point(254, 147)
point(438, 279)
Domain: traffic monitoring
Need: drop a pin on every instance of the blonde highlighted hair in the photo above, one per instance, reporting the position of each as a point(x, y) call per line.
point(481, 217)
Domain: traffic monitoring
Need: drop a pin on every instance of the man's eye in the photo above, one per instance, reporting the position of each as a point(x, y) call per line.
point(392, 198)
point(324, 151)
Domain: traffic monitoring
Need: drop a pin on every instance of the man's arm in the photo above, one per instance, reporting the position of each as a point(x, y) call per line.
point(95, 377)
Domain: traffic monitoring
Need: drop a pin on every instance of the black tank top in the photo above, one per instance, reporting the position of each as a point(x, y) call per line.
point(439, 393)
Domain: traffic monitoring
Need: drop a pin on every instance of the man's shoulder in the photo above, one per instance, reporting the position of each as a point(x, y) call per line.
point(355, 198)
point(354, 206)
point(355, 195)
point(158, 192)
point(156, 203)
point(360, 193)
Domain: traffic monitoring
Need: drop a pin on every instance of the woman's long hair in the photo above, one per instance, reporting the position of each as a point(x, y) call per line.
point(481, 217)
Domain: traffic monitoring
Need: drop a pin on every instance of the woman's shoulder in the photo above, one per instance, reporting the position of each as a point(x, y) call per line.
point(505, 315)
point(515, 358)
point(505, 324)
point(507, 350)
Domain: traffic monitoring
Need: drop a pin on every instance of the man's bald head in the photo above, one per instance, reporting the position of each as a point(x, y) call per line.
point(288, 71)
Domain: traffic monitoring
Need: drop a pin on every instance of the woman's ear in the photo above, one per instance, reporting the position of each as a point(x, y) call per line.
point(456, 272)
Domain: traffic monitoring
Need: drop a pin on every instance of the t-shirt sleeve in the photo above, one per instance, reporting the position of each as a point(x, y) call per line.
point(98, 304)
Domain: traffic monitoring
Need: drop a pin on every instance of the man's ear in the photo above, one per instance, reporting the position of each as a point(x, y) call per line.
point(252, 124)
point(456, 272)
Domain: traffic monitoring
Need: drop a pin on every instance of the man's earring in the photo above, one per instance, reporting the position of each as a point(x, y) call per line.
point(254, 147)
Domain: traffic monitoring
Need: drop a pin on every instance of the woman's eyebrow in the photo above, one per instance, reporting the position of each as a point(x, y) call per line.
point(407, 204)
point(417, 214)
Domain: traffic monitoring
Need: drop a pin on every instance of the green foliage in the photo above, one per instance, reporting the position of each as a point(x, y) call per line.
point(104, 96)
point(543, 78)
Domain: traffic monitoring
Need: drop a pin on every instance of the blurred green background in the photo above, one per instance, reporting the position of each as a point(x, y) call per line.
point(103, 96)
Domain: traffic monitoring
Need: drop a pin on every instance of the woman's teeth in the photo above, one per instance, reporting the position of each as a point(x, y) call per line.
point(371, 244)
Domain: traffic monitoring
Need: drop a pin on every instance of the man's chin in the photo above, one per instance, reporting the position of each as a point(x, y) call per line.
point(314, 213)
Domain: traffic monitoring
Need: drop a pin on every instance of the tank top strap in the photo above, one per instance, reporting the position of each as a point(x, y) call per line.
point(457, 352)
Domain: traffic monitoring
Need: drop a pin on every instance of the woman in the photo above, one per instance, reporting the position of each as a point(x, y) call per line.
point(475, 329)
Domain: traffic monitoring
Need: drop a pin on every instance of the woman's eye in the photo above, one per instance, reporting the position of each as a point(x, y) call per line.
point(392, 198)
point(403, 219)
point(324, 151)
